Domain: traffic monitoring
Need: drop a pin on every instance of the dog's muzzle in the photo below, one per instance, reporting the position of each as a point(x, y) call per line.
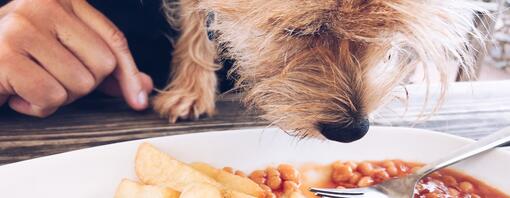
point(345, 133)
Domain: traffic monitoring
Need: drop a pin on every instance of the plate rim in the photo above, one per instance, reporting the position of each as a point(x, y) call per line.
point(254, 131)
point(215, 132)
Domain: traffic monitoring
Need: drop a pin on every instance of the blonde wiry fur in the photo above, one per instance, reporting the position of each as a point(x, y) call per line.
point(192, 91)
point(305, 62)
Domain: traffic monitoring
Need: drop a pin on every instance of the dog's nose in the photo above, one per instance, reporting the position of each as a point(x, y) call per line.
point(345, 133)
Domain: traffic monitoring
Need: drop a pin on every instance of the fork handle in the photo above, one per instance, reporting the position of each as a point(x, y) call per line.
point(496, 139)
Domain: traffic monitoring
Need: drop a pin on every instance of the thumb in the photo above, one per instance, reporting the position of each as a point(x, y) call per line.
point(126, 72)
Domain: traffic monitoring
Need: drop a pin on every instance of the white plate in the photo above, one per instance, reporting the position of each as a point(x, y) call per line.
point(95, 172)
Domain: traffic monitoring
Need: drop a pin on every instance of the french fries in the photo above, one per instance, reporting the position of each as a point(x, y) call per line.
point(229, 180)
point(205, 169)
point(131, 189)
point(162, 176)
point(198, 190)
point(235, 194)
point(157, 168)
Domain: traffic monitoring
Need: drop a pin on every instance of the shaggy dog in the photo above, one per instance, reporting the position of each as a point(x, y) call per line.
point(313, 66)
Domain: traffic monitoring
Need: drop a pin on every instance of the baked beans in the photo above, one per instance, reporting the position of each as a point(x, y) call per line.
point(277, 182)
point(259, 176)
point(285, 179)
point(240, 173)
point(288, 173)
point(229, 170)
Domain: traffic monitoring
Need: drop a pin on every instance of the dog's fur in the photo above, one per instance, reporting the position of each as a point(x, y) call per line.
point(306, 62)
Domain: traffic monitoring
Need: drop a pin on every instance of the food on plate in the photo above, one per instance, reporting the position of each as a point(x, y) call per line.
point(159, 173)
point(204, 190)
point(348, 174)
point(132, 189)
point(201, 190)
point(162, 176)
point(157, 168)
point(230, 180)
point(283, 181)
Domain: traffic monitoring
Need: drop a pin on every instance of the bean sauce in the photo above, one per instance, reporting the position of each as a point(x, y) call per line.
point(287, 181)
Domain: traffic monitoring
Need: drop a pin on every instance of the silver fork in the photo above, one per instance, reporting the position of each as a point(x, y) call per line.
point(404, 187)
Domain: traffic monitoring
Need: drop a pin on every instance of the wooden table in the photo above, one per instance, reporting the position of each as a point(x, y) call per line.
point(471, 110)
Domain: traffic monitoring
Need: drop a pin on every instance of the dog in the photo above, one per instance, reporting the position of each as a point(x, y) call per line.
point(315, 68)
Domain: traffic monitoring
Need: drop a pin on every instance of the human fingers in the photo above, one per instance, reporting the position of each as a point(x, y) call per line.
point(33, 90)
point(126, 72)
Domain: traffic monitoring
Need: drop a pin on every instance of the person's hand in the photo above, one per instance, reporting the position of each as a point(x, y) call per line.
point(55, 51)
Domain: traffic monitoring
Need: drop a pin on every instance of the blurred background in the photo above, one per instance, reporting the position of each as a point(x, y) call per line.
point(496, 64)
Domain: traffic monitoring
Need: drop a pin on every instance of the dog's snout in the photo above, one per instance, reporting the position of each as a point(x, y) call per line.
point(345, 133)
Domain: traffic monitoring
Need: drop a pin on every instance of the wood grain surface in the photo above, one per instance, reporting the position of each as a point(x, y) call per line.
point(470, 110)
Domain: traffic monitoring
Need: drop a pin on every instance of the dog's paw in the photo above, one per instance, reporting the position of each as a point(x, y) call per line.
point(177, 104)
